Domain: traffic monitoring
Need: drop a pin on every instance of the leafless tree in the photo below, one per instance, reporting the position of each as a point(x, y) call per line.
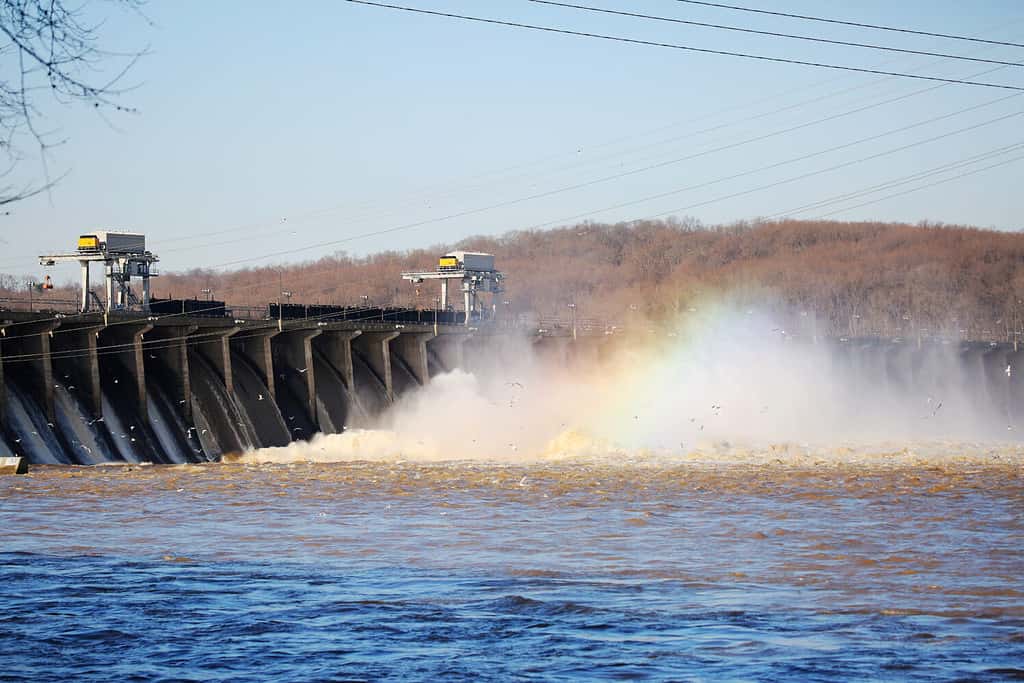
point(50, 49)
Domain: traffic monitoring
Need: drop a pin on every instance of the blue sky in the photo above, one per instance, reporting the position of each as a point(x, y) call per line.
point(272, 132)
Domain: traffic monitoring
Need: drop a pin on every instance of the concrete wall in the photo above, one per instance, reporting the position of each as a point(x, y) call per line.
point(371, 363)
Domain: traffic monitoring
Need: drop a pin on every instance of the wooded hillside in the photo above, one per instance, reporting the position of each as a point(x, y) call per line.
point(851, 278)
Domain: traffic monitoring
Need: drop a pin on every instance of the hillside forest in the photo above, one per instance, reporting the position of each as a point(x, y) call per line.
point(843, 278)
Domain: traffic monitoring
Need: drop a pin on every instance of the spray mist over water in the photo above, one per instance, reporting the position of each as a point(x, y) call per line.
point(726, 386)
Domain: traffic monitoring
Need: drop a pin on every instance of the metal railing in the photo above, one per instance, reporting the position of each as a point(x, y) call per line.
point(529, 323)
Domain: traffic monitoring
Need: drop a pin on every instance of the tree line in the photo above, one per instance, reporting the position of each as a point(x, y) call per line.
point(841, 278)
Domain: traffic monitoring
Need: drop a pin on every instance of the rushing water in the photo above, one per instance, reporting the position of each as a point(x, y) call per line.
point(768, 566)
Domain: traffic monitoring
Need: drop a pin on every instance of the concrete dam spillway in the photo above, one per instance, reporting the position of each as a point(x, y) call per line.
point(120, 387)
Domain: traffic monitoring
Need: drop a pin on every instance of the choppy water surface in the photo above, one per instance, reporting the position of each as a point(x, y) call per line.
point(762, 568)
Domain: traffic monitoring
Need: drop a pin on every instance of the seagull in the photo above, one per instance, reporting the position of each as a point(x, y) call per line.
point(303, 370)
point(181, 401)
point(259, 397)
point(115, 380)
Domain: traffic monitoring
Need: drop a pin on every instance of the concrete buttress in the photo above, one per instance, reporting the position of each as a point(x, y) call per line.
point(254, 345)
point(411, 347)
point(27, 350)
point(375, 348)
point(169, 345)
point(293, 349)
point(123, 342)
point(75, 360)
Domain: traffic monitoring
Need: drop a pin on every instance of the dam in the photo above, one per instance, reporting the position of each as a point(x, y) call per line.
point(129, 379)
point(172, 388)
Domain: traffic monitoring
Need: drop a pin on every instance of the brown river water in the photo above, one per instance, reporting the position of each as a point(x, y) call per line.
point(779, 563)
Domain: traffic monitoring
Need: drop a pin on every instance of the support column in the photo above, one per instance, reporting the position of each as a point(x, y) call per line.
point(255, 347)
point(109, 272)
point(295, 349)
point(169, 345)
point(29, 350)
point(215, 346)
point(554, 348)
point(145, 290)
point(3, 386)
point(76, 359)
point(125, 342)
point(336, 345)
point(448, 349)
point(84, 307)
point(444, 294)
point(375, 348)
point(411, 347)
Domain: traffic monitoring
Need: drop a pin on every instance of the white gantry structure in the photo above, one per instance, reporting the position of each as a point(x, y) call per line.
point(123, 255)
point(474, 269)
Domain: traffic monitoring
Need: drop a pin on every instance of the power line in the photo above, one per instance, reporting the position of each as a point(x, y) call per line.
point(815, 39)
point(446, 191)
point(924, 187)
point(576, 186)
point(876, 27)
point(802, 157)
point(369, 204)
point(676, 46)
point(903, 180)
point(836, 167)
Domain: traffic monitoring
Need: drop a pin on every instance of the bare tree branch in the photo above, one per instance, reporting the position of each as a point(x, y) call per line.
point(49, 46)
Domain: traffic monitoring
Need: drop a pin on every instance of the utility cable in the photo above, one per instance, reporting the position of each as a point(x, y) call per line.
point(792, 160)
point(447, 191)
point(896, 182)
point(856, 24)
point(659, 143)
point(836, 167)
point(924, 187)
point(576, 186)
point(677, 46)
point(815, 39)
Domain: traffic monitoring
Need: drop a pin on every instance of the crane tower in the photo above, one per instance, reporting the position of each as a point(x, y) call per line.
point(123, 255)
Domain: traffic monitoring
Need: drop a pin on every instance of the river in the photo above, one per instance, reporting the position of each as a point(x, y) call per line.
point(900, 562)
